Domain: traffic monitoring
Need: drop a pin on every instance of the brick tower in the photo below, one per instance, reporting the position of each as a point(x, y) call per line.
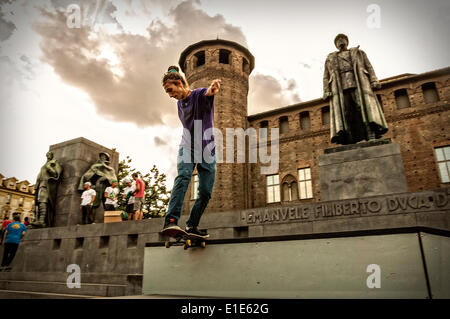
point(229, 61)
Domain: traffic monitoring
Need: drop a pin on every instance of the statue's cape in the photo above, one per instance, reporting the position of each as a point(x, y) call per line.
point(372, 113)
point(49, 174)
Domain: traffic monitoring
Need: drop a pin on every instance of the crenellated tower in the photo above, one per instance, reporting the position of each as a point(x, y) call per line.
point(229, 61)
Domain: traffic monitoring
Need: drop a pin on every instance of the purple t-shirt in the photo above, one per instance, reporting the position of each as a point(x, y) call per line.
point(199, 108)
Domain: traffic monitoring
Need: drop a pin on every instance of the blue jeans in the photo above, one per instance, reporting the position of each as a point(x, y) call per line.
point(206, 176)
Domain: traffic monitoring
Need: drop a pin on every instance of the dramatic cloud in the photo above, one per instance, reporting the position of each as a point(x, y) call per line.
point(121, 71)
point(267, 93)
point(6, 27)
point(159, 141)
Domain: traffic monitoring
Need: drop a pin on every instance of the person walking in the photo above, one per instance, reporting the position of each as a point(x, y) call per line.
point(13, 234)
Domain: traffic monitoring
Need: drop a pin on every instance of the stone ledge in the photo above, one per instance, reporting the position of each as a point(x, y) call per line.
point(358, 145)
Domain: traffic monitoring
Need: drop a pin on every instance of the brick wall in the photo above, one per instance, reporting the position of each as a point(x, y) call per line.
point(418, 129)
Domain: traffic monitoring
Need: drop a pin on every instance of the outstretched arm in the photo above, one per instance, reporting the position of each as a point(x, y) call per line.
point(214, 87)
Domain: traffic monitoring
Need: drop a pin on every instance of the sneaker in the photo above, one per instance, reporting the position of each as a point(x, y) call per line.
point(170, 223)
point(194, 230)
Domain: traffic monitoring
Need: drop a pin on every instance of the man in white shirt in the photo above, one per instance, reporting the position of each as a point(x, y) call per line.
point(111, 195)
point(87, 199)
point(128, 193)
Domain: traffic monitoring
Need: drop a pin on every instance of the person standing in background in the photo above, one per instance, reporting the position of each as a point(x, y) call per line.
point(111, 195)
point(139, 196)
point(87, 200)
point(129, 198)
point(5, 223)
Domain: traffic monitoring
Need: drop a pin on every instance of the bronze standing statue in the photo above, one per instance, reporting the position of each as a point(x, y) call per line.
point(101, 175)
point(45, 194)
point(355, 113)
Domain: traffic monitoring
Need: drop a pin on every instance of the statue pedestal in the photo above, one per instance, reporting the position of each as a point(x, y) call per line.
point(362, 170)
point(76, 157)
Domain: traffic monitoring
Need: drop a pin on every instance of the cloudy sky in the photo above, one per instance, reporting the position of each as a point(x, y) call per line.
point(102, 80)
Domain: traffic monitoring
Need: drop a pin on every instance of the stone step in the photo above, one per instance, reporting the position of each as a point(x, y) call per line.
point(88, 289)
point(14, 294)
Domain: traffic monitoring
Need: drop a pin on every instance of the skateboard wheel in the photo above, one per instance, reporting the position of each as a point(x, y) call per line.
point(167, 244)
point(203, 244)
point(188, 243)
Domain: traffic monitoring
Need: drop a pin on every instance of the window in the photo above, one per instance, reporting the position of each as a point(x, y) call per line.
point(104, 242)
point(132, 240)
point(263, 124)
point(57, 243)
point(21, 201)
point(284, 125)
point(430, 94)
point(199, 58)
point(402, 99)
point(305, 122)
point(326, 115)
point(245, 66)
point(273, 188)
point(8, 199)
point(305, 183)
point(79, 243)
point(290, 190)
point(224, 56)
point(195, 187)
point(443, 159)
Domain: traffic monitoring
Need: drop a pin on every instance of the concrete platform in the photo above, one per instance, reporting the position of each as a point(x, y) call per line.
point(111, 256)
point(307, 268)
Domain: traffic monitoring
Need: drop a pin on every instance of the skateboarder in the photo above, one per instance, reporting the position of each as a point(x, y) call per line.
point(193, 105)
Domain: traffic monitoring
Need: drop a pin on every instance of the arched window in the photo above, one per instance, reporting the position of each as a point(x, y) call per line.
point(430, 94)
point(402, 99)
point(224, 56)
point(290, 190)
point(263, 124)
point(199, 58)
point(305, 122)
point(284, 125)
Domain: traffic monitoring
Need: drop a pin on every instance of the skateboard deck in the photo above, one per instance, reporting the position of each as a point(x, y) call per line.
point(183, 239)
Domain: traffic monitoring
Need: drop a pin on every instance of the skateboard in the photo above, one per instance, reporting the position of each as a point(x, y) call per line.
point(183, 239)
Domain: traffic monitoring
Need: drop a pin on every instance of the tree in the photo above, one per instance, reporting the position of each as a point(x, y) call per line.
point(156, 194)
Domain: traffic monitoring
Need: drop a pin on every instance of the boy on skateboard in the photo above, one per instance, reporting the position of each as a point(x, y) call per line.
point(193, 106)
